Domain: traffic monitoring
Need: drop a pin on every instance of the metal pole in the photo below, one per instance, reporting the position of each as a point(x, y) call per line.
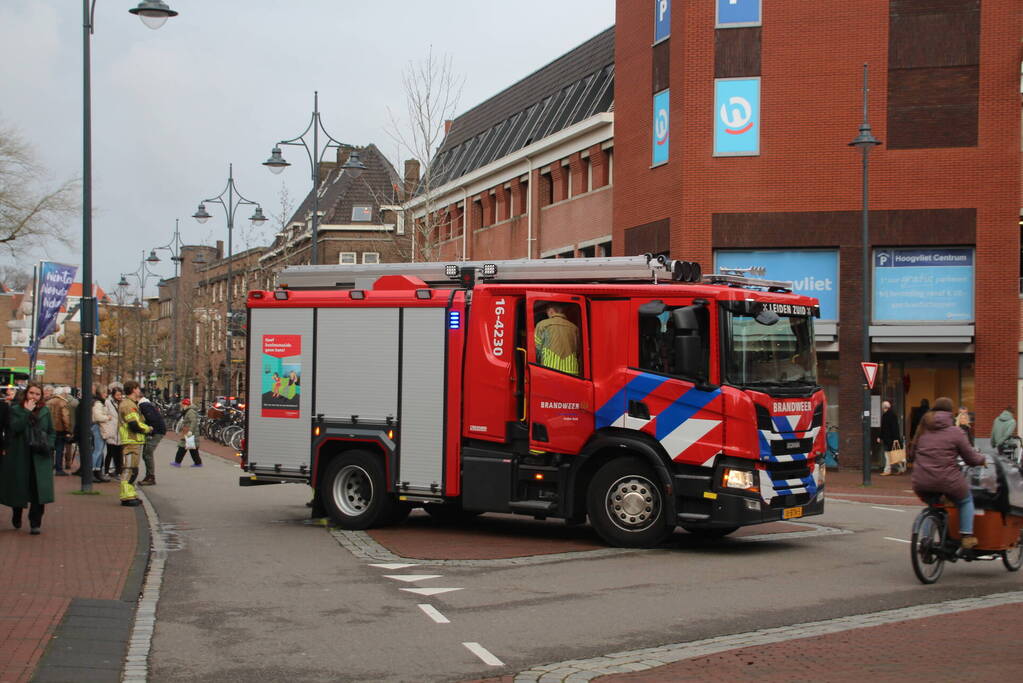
point(314, 245)
point(175, 256)
point(865, 230)
point(230, 283)
point(32, 324)
point(85, 405)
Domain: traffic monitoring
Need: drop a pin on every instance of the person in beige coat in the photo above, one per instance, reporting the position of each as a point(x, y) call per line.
point(111, 429)
point(100, 416)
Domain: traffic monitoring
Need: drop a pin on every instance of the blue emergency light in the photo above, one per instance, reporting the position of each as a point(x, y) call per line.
point(454, 320)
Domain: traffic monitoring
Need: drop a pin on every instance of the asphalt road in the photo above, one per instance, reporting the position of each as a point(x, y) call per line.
point(251, 592)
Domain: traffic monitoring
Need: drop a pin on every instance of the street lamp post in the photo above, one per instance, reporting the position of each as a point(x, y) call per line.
point(866, 141)
point(153, 14)
point(142, 275)
point(353, 165)
point(174, 247)
point(234, 199)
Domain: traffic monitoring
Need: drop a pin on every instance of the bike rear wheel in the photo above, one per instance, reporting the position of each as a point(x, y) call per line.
point(1013, 557)
point(926, 546)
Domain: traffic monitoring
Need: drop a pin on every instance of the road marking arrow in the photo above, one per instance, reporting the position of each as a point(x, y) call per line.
point(411, 578)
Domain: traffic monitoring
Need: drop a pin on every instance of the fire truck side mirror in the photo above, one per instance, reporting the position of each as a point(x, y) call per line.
point(652, 308)
point(689, 357)
point(685, 320)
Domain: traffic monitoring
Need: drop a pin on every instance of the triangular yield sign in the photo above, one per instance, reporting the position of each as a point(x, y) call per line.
point(870, 372)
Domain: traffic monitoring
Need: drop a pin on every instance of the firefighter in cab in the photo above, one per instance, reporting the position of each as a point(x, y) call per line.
point(557, 341)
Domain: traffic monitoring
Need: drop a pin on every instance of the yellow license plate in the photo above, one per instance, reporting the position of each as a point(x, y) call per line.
point(792, 513)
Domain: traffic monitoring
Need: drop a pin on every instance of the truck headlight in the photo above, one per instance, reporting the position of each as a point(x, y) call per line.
point(738, 479)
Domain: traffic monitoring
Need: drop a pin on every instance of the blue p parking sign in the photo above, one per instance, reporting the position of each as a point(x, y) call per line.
point(736, 13)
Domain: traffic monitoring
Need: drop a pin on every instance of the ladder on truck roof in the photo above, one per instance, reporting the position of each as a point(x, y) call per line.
point(599, 269)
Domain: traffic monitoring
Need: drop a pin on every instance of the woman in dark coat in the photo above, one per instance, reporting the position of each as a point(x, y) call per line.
point(937, 444)
point(26, 478)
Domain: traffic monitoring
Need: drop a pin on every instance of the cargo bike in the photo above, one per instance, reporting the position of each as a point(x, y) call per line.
point(997, 488)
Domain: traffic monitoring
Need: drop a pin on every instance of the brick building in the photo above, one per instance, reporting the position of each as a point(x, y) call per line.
point(527, 173)
point(732, 127)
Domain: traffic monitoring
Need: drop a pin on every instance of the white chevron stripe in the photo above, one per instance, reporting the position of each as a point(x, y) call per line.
point(686, 434)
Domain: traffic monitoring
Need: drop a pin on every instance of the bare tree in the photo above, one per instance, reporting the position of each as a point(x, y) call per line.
point(431, 93)
point(16, 277)
point(33, 214)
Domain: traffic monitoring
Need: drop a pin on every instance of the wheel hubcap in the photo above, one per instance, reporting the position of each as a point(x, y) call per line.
point(353, 490)
point(633, 503)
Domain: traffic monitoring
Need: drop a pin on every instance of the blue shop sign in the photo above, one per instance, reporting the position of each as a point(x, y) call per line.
point(661, 129)
point(812, 272)
point(662, 20)
point(737, 117)
point(931, 284)
point(735, 13)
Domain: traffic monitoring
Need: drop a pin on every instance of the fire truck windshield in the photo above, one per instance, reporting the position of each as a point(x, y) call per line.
point(777, 353)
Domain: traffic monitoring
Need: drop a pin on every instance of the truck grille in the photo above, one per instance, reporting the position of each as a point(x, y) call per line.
point(793, 483)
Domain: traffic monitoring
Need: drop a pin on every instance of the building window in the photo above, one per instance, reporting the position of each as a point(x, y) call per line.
point(362, 213)
point(371, 257)
point(347, 257)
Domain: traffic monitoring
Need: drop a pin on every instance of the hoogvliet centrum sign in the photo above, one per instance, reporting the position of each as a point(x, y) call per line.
point(928, 284)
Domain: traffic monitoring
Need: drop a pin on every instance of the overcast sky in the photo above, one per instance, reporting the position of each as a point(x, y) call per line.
point(226, 79)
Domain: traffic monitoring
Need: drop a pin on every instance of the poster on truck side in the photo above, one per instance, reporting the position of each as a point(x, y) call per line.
point(281, 391)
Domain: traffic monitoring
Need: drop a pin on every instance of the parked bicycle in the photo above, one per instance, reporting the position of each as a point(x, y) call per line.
point(935, 541)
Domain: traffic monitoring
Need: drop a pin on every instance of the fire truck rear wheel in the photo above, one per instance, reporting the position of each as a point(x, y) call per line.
point(354, 493)
point(625, 504)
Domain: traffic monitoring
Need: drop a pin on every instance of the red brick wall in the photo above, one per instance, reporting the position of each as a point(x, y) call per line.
point(582, 218)
point(811, 107)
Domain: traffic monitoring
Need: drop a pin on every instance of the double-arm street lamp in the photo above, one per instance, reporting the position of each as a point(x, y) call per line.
point(153, 14)
point(174, 247)
point(230, 199)
point(353, 165)
point(142, 275)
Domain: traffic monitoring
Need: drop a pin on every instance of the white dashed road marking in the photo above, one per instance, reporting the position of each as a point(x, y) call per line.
point(876, 507)
point(484, 654)
point(411, 578)
point(429, 591)
point(432, 612)
point(898, 540)
point(393, 565)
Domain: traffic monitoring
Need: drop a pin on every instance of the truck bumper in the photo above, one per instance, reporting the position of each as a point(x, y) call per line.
point(730, 510)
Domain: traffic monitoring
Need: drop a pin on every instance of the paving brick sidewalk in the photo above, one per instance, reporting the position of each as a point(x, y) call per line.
point(86, 551)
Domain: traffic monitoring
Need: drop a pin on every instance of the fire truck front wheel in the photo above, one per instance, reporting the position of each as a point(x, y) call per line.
point(626, 505)
point(354, 493)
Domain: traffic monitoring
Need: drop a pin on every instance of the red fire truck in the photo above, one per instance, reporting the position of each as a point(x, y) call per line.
point(674, 399)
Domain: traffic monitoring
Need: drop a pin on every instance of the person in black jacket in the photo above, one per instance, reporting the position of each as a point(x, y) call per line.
point(890, 433)
point(151, 414)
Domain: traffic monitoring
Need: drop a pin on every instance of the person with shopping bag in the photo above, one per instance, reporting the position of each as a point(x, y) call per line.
point(189, 435)
point(891, 440)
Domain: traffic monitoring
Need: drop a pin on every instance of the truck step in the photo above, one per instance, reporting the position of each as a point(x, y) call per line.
point(533, 507)
point(692, 517)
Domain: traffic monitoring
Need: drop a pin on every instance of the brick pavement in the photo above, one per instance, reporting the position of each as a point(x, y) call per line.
point(86, 551)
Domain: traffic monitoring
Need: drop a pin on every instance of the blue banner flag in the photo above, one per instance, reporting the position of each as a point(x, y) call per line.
point(737, 117)
point(661, 129)
point(54, 282)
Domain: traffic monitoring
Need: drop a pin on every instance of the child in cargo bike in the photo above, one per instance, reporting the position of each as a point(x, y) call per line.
point(936, 447)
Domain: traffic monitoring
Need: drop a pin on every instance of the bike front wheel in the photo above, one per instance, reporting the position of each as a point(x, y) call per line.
point(926, 546)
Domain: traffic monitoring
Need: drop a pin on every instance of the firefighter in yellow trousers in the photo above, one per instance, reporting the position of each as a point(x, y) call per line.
point(133, 432)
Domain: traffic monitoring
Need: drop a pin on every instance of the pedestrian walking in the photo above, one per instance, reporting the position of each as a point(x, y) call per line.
point(60, 414)
point(26, 469)
point(936, 448)
point(964, 423)
point(132, 431)
point(100, 416)
point(151, 414)
point(111, 431)
point(1003, 428)
point(891, 439)
point(189, 435)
